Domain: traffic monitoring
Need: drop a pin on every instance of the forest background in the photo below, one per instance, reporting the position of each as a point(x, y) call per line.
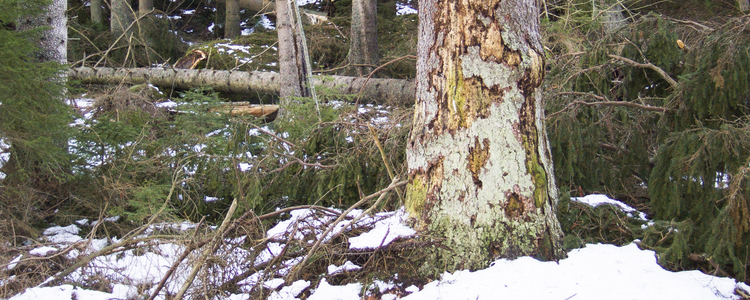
point(646, 101)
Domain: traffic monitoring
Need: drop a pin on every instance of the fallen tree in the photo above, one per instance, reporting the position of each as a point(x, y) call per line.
point(373, 90)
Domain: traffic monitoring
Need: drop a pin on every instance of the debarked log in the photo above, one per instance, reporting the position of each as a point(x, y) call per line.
point(376, 90)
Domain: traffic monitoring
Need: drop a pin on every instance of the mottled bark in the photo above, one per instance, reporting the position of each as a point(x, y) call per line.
point(481, 179)
point(363, 47)
point(376, 90)
point(145, 6)
point(53, 44)
point(121, 17)
point(291, 64)
point(232, 21)
point(96, 12)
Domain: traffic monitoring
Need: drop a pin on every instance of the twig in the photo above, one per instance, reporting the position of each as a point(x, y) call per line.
point(178, 261)
point(208, 250)
point(651, 66)
point(362, 88)
point(607, 103)
point(381, 194)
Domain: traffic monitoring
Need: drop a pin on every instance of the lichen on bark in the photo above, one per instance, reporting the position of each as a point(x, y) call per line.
point(477, 155)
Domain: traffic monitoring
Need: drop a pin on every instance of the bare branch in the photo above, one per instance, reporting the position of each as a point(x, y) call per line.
point(651, 66)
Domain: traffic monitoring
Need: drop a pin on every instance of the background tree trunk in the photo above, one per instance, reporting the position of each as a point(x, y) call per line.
point(232, 21)
point(121, 16)
point(374, 90)
point(96, 12)
point(611, 14)
point(743, 5)
point(291, 64)
point(145, 6)
point(363, 49)
point(481, 178)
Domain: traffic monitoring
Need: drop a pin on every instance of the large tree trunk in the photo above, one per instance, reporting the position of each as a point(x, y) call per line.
point(376, 90)
point(96, 12)
point(363, 49)
point(480, 172)
point(232, 20)
point(121, 17)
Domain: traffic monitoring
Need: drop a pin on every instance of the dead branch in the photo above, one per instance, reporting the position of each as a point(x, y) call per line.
point(604, 101)
point(651, 66)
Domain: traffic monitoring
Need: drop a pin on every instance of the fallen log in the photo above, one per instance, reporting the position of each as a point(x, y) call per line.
point(376, 90)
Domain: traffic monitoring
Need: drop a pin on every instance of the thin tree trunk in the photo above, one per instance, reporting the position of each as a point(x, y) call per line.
point(363, 49)
point(481, 178)
point(96, 12)
point(291, 67)
point(232, 21)
point(611, 14)
point(145, 6)
point(376, 90)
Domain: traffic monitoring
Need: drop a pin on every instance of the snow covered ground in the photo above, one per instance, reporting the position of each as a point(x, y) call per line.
point(593, 272)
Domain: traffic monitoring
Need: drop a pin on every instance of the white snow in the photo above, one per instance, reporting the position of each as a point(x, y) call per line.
point(593, 272)
point(42, 251)
point(595, 200)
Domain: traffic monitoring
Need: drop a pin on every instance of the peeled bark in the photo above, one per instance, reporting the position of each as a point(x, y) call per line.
point(363, 49)
point(376, 90)
point(480, 171)
point(232, 21)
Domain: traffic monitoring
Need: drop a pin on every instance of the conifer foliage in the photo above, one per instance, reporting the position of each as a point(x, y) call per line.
point(657, 112)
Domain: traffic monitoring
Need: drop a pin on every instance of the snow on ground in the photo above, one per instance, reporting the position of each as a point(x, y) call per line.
point(593, 272)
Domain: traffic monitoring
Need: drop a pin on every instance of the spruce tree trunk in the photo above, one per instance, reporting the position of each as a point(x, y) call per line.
point(121, 17)
point(145, 6)
point(480, 172)
point(373, 90)
point(232, 21)
point(743, 5)
point(291, 64)
point(96, 12)
point(611, 14)
point(54, 41)
point(363, 49)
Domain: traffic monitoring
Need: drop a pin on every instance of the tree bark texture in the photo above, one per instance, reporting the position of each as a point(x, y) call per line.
point(121, 16)
point(96, 12)
point(743, 5)
point(480, 171)
point(145, 6)
point(611, 14)
point(54, 42)
point(232, 21)
point(363, 48)
point(291, 63)
point(376, 90)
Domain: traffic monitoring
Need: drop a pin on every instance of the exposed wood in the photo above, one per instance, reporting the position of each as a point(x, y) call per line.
point(376, 90)
point(239, 109)
point(191, 60)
